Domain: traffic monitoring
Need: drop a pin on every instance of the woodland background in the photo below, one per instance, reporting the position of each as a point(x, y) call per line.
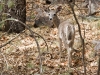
point(19, 53)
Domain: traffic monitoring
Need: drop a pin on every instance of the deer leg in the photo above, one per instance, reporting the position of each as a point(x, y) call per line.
point(69, 56)
point(60, 47)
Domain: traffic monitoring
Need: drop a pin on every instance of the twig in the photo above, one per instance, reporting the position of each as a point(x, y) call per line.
point(43, 39)
point(98, 67)
point(83, 50)
point(32, 33)
point(5, 32)
point(8, 41)
point(5, 45)
point(41, 71)
point(5, 59)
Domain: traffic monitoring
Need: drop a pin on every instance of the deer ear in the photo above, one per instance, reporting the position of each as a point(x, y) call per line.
point(47, 9)
point(59, 9)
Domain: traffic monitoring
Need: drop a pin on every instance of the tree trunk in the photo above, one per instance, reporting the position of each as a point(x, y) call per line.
point(18, 12)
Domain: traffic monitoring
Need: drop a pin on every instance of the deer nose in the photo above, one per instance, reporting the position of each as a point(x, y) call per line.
point(50, 18)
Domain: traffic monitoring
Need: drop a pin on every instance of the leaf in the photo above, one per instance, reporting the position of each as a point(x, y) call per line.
point(1, 6)
point(10, 3)
point(1, 26)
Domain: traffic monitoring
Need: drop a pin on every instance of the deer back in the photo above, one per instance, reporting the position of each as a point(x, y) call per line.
point(66, 32)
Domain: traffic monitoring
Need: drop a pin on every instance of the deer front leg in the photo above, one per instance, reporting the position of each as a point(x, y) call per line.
point(60, 47)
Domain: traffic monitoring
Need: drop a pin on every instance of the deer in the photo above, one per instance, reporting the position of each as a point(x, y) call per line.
point(41, 18)
point(66, 32)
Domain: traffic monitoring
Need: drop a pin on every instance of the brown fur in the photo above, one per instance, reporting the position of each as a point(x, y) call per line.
point(66, 32)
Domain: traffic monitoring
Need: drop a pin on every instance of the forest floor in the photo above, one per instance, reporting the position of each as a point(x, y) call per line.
point(21, 56)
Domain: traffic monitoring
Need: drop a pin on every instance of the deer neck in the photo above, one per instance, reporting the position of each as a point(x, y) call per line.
point(56, 21)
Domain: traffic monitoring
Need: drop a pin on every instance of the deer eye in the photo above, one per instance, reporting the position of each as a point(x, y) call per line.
point(54, 14)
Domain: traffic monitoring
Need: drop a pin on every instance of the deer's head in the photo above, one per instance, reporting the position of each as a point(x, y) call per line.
point(52, 13)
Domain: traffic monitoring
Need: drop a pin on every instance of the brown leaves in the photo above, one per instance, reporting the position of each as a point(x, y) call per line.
point(22, 54)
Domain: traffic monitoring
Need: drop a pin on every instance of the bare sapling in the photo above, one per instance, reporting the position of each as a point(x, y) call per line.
point(66, 32)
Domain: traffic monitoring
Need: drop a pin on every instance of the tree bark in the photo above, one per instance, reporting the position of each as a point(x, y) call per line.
point(18, 12)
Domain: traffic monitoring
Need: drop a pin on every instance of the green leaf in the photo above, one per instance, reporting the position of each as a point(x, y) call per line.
point(1, 26)
point(10, 3)
point(1, 5)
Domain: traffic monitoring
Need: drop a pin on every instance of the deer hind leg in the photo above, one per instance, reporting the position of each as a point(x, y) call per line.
point(69, 50)
point(60, 47)
point(69, 56)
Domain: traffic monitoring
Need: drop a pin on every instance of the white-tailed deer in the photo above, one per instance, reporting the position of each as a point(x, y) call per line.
point(41, 19)
point(66, 32)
